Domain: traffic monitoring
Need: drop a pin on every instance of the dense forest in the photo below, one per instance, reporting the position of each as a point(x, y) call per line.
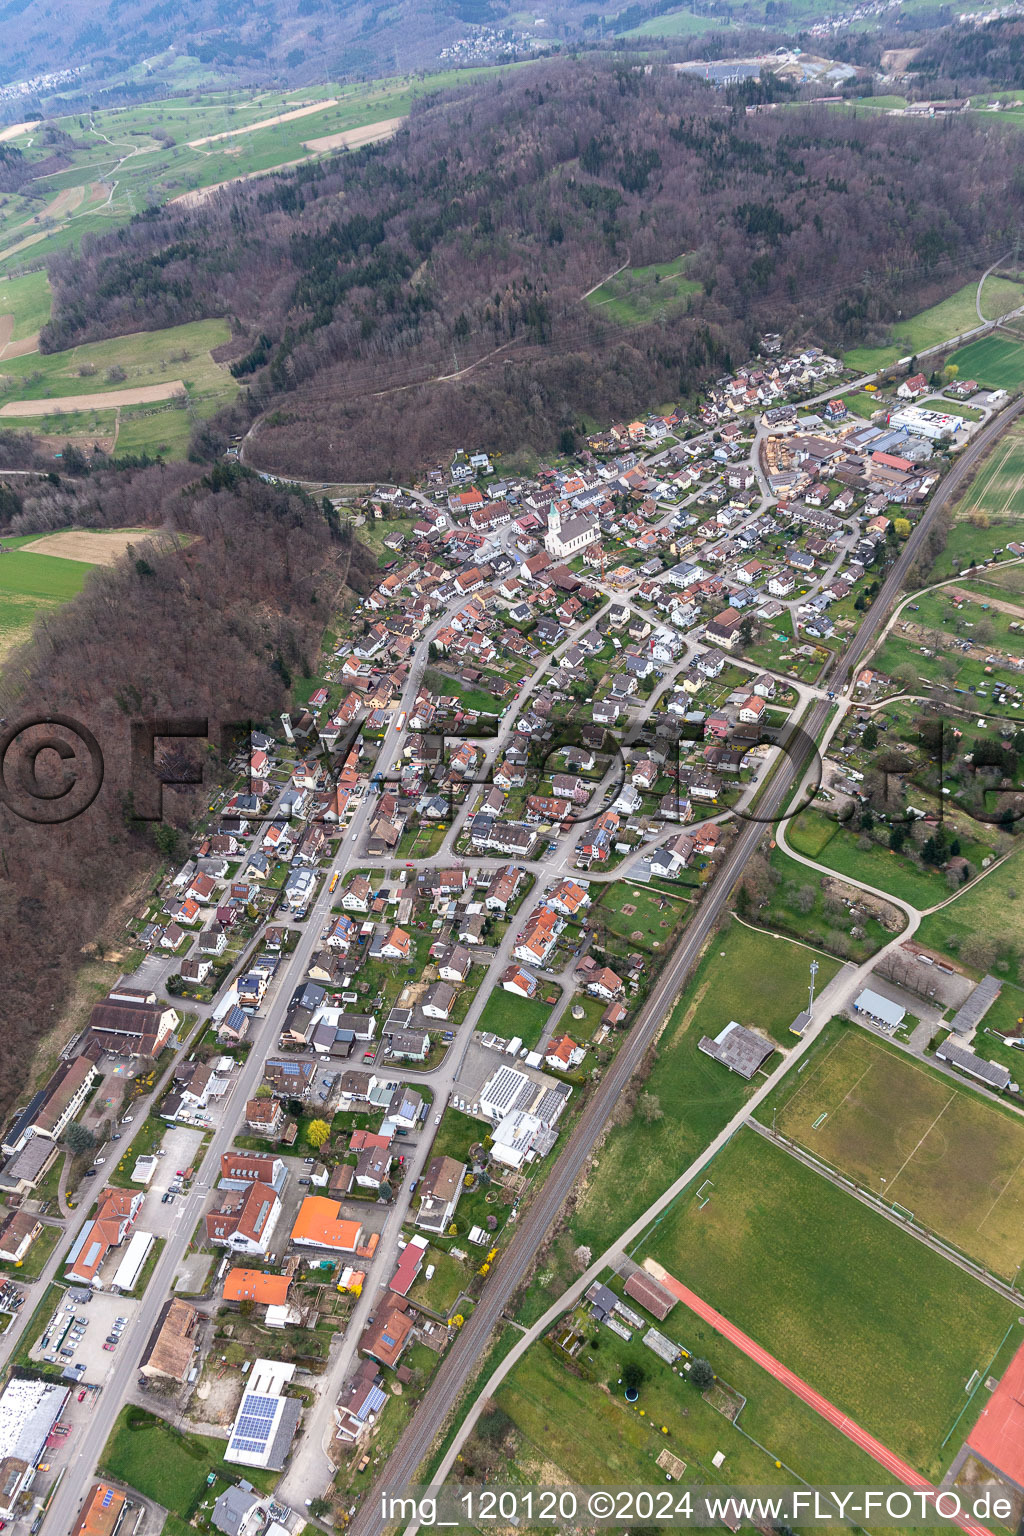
point(971, 58)
point(469, 240)
point(213, 617)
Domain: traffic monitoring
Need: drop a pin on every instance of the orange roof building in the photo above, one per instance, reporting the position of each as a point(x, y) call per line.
point(319, 1224)
point(115, 1217)
point(253, 1285)
point(102, 1512)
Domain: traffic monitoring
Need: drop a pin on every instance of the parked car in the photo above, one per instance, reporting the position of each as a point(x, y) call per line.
point(305, 1181)
point(110, 1346)
point(81, 1396)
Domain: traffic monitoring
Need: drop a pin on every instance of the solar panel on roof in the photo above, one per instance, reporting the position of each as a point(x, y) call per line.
point(108, 1499)
point(255, 1423)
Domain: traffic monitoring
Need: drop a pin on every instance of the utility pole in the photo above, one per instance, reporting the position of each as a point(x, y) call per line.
point(814, 972)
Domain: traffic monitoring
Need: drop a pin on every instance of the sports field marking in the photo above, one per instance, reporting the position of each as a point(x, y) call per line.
point(1000, 1195)
point(921, 1140)
point(853, 1088)
point(894, 1119)
point(815, 1400)
point(809, 1080)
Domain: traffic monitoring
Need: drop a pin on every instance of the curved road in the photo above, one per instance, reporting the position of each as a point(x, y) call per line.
point(468, 1349)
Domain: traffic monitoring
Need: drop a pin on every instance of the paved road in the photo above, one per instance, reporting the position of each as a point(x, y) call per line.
point(470, 1344)
point(88, 1449)
point(467, 1350)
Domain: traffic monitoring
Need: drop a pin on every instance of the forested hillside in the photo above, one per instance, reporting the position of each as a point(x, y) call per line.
point(961, 59)
point(474, 234)
point(217, 628)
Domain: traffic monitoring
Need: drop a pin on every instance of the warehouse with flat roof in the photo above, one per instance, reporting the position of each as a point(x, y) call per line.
point(880, 1010)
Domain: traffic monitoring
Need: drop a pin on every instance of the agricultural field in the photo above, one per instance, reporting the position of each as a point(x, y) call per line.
point(942, 322)
point(994, 498)
point(144, 361)
point(162, 431)
point(675, 24)
point(857, 1307)
point(27, 301)
point(640, 294)
point(130, 394)
point(995, 361)
point(929, 1146)
point(991, 511)
point(83, 429)
point(38, 574)
point(126, 158)
point(32, 584)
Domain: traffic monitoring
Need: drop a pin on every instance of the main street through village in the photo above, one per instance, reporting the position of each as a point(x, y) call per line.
point(819, 707)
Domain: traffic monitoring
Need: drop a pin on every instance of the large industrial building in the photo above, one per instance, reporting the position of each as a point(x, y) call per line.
point(28, 1412)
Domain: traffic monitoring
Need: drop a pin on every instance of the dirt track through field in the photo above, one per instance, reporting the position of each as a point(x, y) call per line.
point(355, 138)
point(9, 348)
point(266, 122)
point(351, 138)
point(143, 395)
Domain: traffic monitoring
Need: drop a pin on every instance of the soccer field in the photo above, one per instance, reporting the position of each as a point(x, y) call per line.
point(918, 1140)
point(888, 1330)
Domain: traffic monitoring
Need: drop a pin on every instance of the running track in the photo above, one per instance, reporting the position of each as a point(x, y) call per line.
point(902, 1471)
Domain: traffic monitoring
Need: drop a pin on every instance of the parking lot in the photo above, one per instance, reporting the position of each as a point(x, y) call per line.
point(91, 1323)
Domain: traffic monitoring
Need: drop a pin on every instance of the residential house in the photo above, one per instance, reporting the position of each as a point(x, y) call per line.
point(454, 964)
point(537, 939)
point(519, 981)
point(437, 1001)
point(564, 1054)
point(55, 1105)
point(245, 1218)
point(439, 1193)
point(265, 1117)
